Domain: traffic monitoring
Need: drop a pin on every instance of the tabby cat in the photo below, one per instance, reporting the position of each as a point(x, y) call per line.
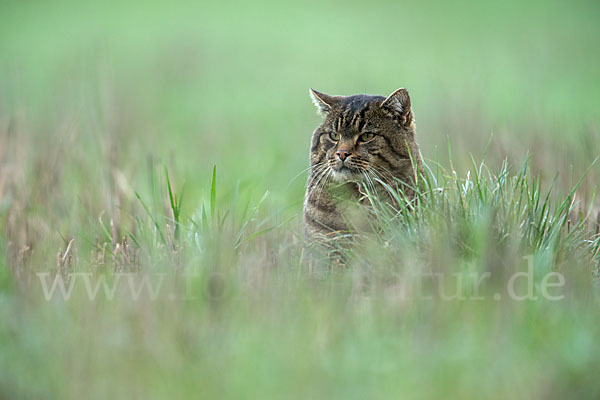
point(363, 141)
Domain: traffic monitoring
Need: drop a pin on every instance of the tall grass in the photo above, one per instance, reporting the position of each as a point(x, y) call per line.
point(409, 303)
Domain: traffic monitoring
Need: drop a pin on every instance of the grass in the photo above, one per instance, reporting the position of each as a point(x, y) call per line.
point(156, 148)
point(237, 315)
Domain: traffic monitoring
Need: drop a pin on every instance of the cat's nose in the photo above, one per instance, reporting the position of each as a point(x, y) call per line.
point(343, 154)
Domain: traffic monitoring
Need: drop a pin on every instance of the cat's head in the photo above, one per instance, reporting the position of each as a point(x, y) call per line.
point(363, 135)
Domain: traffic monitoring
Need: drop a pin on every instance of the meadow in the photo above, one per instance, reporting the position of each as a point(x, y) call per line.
point(153, 160)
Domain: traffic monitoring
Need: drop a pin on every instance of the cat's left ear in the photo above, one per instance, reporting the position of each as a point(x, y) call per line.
point(323, 101)
point(398, 103)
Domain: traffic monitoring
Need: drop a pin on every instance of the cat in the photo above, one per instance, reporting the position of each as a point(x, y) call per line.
point(362, 142)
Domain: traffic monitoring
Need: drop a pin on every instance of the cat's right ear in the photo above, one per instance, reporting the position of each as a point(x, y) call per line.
point(398, 103)
point(323, 101)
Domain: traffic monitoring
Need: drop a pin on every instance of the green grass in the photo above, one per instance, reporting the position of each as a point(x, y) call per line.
point(171, 141)
point(254, 321)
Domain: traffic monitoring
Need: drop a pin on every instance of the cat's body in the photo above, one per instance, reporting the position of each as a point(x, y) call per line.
point(363, 141)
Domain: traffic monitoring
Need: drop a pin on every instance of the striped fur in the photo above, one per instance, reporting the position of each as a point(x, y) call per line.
point(362, 140)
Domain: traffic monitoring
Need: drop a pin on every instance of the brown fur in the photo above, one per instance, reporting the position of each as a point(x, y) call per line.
point(375, 137)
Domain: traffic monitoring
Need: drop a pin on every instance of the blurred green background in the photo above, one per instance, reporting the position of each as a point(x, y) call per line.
point(96, 97)
point(226, 83)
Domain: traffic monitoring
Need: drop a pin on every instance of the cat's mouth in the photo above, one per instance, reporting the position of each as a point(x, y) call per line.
point(345, 173)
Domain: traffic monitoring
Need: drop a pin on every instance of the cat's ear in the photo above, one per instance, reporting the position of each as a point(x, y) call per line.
point(398, 103)
point(323, 101)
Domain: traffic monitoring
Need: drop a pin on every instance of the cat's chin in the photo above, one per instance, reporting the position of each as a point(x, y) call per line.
point(346, 174)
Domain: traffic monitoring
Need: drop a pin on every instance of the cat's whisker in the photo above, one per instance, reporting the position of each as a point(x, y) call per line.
point(384, 171)
point(382, 182)
point(316, 186)
point(373, 189)
point(310, 167)
point(317, 174)
point(324, 171)
point(367, 187)
point(378, 175)
point(324, 184)
point(385, 179)
point(329, 175)
point(367, 181)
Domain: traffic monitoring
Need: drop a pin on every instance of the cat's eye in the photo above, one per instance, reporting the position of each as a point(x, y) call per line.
point(365, 137)
point(334, 136)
